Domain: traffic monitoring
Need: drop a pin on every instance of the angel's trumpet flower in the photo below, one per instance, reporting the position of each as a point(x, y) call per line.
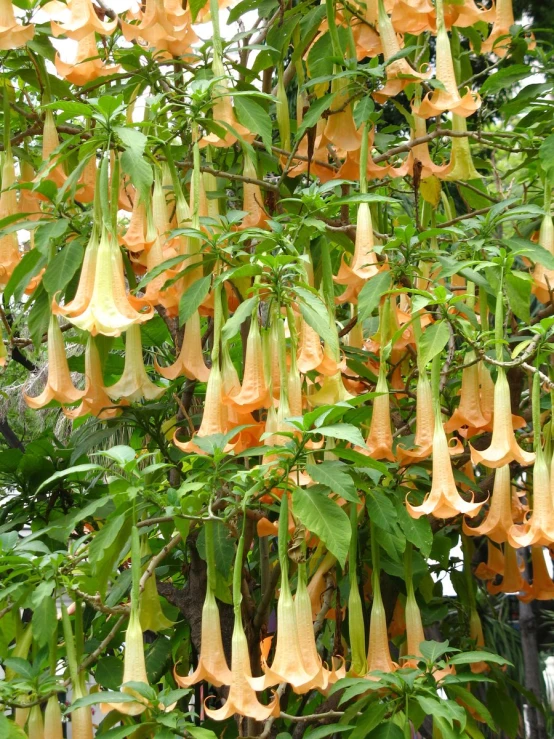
point(498, 521)
point(58, 385)
point(414, 628)
point(538, 529)
point(399, 72)
point(86, 186)
point(101, 304)
point(164, 26)
point(420, 152)
point(9, 246)
point(425, 424)
point(542, 587)
point(486, 392)
point(443, 501)
point(467, 418)
point(504, 447)
point(356, 626)
point(50, 142)
point(212, 664)
point(151, 615)
point(364, 263)
point(446, 98)
point(134, 384)
point(499, 39)
point(495, 564)
point(378, 654)
point(215, 416)
point(413, 16)
point(88, 66)
point(296, 401)
point(134, 238)
point(223, 113)
point(366, 38)
point(252, 198)
point(94, 399)
point(35, 725)
point(468, 14)
point(134, 669)
point(316, 586)
point(332, 391)
point(29, 201)
point(340, 129)
point(543, 278)
point(310, 351)
point(476, 633)
point(379, 442)
point(190, 361)
point(461, 166)
point(53, 727)
point(306, 639)
point(77, 19)
point(3, 350)
point(512, 580)
point(12, 34)
point(254, 393)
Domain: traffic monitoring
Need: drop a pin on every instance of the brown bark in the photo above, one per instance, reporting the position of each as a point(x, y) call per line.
point(531, 663)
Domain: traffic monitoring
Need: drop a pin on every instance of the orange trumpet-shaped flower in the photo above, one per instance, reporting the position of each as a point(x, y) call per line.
point(77, 19)
point(503, 21)
point(212, 663)
point(468, 14)
point(311, 355)
point(223, 113)
point(53, 727)
point(332, 391)
point(165, 26)
point(467, 418)
point(190, 361)
point(310, 658)
point(399, 73)
point(378, 653)
point(443, 501)
point(252, 198)
point(88, 66)
point(425, 424)
point(512, 580)
point(420, 152)
point(151, 615)
point(379, 442)
point(340, 129)
point(12, 34)
point(447, 97)
point(316, 586)
point(413, 16)
point(538, 529)
point(134, 669)
point(94, 399)
point(254, 393)
point(35, 724)
point(494, 565)
point(101, 304)
point(9, 246)
point(543, 278)
point(461, 165)
point(242, 691)
point(86, 186)
point(134, 239)
point(498, 522)
point(364, 263)
point(58, 385)
point(504, 447)
point(476, 633)
point(50, 142)
point(366, 38)
point(134, 384)
point(542, 587)
point(287, 663)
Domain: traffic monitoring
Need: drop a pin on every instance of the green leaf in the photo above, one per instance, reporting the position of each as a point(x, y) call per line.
point(324, 518)
point(109, 672)
point(159, 269)
point(363, 110)
point(505, 78)
point(468, 658)
point(193, 298)
point(255, 118)
point(132, 159)
point(107, 545)
point(448, 710)
point(9, 730)
point(473, 703)
point(432, 342)
point(388, 730)
point(343, 431)
point(121, 732)
point(233, 324)
point(224, 549)
point(504, 711)
point(417, 531)
point(317, 317)
point(518, 291)
point(102, 696)
point(369, 720)
point(63, 266)
point(49, 232)
point(380, 509)
point(44, 621)
point(434, 650)
point(535, 252)
point(334, 475)
point(313, 114)
point(323, 731)
point(86, 467)
point(29, 266)
point(199, 732)
point(371, 294)
point(546, 153)
point(39, 316)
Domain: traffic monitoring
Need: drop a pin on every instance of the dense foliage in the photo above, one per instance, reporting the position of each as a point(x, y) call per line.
point(277, 314)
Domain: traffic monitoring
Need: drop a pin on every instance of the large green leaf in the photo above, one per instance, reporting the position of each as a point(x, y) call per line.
point(324, 518)
point(317, 316)
point(29, 266)
point(334, 475)
point(432, 342)
point(371, 294)
point(192, 298)
point(61, 269)
point(255, 118)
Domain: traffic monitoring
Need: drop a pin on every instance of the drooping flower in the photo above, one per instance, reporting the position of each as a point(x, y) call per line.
point(87, 66)
point(190, 361)
point(101, 304)
point(512, 580)
point(9, 246)
point(340, 129)
point(499, 39)
point(378, 654)
point(332, 391)
point(420, 152)
point(467, 419)
point(134, 239)
point(77, 19)
point(413, 16)
point(504, 447)
point(543, 278)
point(443, 501)
point(425, 424)
point(461, 166)
point(254, 392)
point(447, 97)
point(306, 639)
point(53, 727)
point(467, 14)
point(12, 34)
point(212, 663)
point(50, 142)
point(134, 384)
point(542, 587)
point(223, 112)
point(494, 565)
point(252, 198)
point(498, 522)
point(165, 26)
point(538, 528)
point(59, 385)
point(366, 38)
point(94, 399)
point(364, 263)
point(476, 633)
point(379, 442)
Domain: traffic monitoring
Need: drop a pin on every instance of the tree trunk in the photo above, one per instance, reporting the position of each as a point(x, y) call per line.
point(528, 628)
